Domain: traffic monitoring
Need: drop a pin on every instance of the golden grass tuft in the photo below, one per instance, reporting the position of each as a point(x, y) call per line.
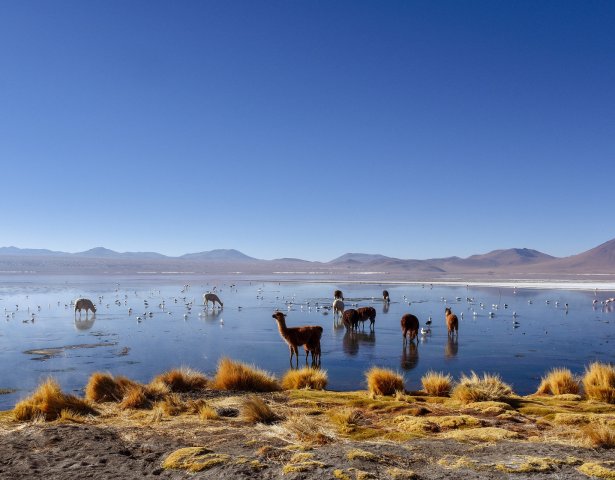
point(401, 474)
point(208, 413)
point(194, 459)
point(599, 435)
point(382, 381)
point(558, 381)
point(305, 378)
point(307, 430)
point(255, 410)
point(599, 382)
point(437, 383)
point(233, 375)
point(476, 389)
point(484, 434)
point(596, 470)
point(357, 453)
point(48, 402)
point(182, 380)
point(104, 387)
point(135, 398)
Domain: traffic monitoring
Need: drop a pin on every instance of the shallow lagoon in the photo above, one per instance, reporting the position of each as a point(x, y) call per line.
point(55, 344)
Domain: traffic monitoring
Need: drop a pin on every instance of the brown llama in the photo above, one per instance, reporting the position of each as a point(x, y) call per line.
point(409, 327)
point(367, 313)
point(338, 294)
point(213, 298)
point(452, 322)
point(351, 318)
point(84, 304)
point(308, 336)
point(385, 296)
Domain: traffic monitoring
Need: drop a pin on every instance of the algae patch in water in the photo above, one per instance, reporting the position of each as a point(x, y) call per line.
point(47, 353)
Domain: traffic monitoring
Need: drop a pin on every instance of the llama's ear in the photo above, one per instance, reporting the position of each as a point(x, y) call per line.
point(284, 315)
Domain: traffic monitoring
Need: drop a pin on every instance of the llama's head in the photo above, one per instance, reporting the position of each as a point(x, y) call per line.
point(93, 308)
point(279, 316)
point(447, 310)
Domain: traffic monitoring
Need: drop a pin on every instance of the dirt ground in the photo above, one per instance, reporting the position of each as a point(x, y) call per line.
point(317, 435)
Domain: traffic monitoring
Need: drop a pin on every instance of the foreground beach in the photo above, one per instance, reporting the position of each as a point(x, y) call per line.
point(213, 432)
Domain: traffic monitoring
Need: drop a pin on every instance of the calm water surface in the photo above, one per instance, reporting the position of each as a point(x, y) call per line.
point(547, 335)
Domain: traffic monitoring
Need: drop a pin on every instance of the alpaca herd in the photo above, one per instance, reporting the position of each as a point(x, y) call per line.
point(309, 336)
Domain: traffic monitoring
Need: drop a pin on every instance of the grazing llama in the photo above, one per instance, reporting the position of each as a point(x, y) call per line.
point(308, 336)
point(338, 307)
point(213, 298)
point(367, 313)
point(452, 323)
point(351, 318)
point(84, 304)
point(338, 294)
point(385, 296)
point(409, 327)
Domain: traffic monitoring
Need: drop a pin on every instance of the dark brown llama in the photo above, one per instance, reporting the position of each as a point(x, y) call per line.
point(338, 294)
point(213, 298)
point(409, 327)
point(351, 318)
point(367, 313)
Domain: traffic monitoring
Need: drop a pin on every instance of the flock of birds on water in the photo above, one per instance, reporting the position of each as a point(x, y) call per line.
point(474, 308)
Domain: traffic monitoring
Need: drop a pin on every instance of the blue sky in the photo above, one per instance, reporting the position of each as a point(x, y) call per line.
point(309, 129)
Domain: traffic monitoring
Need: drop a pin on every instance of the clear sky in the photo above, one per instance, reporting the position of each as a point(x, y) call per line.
point(415, 129)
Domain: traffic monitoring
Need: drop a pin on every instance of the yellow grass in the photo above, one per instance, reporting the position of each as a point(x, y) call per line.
point(182, 379)
point(255, 410)
point(208, 413)
point(135, 397)
point(305, 378)
point(558, 381)
point(194, 459)
point(401, 474)
point(599, 435)
point(104, 387)
point(599, 382)
point(437, 383)
point(595, 470)
point(382, 381)
point(232, 375)
point(48, 402)
point(357, 453)
point(476, 389)
point(485, 434)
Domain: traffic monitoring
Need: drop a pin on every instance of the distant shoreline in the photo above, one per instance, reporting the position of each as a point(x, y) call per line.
point(585, 283)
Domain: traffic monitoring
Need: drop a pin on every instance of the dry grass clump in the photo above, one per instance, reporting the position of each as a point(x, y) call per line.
point(599, 435)
point(208, 413)
point(134, 398)
point(482, 434)
point(48, 402)
point(437, 384)
point(182, 379)
point(255, 410)
point(307, 430)
point(194, 459)
point(558, 381)
point(104, 387)
point(599, 382)
point(232, 375)
point(476, 389)
point(382, 381)
point(595, 470)
point(305, 378)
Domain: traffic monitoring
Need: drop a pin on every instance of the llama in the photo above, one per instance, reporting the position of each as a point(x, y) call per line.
point(366, 313)
point(308, 336)
point(409, 327)
point(351, 318)
point(338, 307)
point(213, 298)
point(338, 294)
point(84, 304)
point(452, 323)
point(385, 296)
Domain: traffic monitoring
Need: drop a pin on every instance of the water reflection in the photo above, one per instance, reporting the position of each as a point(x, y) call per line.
point(385, 307)
point(352, 340)
point(451, 347)
point(85, 323)
point(409, 356)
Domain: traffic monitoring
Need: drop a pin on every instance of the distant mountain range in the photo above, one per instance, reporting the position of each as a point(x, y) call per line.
point(498, 263)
